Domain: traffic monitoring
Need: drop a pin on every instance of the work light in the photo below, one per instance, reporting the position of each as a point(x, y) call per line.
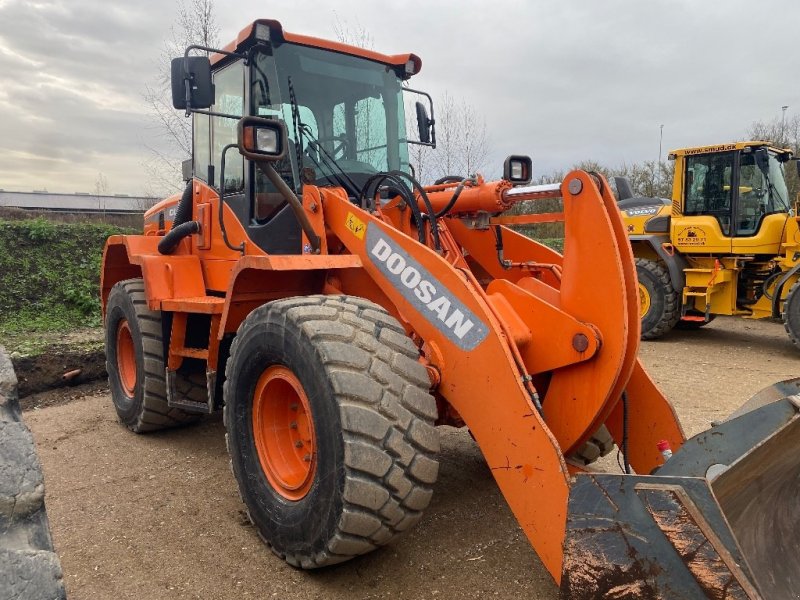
point(517, 169)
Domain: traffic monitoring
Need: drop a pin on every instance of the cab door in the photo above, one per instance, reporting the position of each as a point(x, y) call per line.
point(706, 224)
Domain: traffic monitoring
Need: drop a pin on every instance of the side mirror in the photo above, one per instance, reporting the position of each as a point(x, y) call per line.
point(762, 160)
point(797, 164)
point(261, 139)
point(423, 123)
point(518, 169)
point(191, 82)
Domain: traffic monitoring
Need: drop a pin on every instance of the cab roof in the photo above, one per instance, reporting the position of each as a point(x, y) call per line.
point(247, 37)
point(727, 148)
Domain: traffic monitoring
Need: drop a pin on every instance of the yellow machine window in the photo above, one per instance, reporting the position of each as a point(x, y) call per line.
point(708, 187)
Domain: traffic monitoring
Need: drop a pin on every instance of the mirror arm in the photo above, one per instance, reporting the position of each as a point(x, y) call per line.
point(431, 120)
point(211, 113)
point(187, 84)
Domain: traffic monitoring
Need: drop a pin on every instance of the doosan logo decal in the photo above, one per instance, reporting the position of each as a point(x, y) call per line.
point(425, 292)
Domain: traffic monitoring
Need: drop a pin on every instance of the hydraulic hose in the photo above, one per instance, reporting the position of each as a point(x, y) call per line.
point(371, 187)
point(430, 214)
point(170, 242)
point(181, 225)
point(452, 179)
point(184, 211)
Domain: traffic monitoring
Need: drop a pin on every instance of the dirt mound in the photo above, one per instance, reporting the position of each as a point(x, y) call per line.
point(53, 360)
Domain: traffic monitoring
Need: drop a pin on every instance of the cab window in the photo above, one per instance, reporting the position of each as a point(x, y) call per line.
point(708, 187)
point(229, 99)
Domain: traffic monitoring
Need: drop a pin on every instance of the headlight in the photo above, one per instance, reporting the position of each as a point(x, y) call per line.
point(267, 141)
point(261, 139)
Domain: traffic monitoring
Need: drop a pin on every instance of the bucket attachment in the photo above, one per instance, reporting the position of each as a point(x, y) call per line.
point(721, 519)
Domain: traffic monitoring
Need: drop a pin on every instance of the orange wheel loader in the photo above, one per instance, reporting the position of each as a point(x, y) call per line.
point(336, 311)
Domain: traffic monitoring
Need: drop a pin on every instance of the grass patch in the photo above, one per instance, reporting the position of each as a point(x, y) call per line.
point(49, 277)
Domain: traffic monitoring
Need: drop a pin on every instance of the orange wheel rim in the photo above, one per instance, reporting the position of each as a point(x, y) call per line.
point(126, 358)
point(284, 432)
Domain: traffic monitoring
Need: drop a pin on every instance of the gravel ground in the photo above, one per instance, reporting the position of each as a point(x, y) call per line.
point(158, 516)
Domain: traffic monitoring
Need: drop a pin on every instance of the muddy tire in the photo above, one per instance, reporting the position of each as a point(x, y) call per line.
point(329, 427)
point(597, 446)
point(136, 366)
point(658, 300)
point(29, 568)
point(791, 314)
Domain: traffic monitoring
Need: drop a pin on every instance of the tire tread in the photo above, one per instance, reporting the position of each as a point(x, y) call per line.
point(387, 418)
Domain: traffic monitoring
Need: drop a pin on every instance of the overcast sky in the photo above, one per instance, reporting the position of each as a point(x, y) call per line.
point(562, 81)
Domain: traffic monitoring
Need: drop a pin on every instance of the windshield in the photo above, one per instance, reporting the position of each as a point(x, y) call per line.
point(766, 191)
point(779, 195)
point(351, 107)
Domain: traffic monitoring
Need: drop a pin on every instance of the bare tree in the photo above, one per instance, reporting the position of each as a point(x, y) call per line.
point(649, 178)
point(195, 24)
point(784, 133)
point(354, 35)
point(462, 143)
point(100, 192)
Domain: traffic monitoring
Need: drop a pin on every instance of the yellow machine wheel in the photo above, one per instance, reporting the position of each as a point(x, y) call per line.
point(658, 300)
point(644, 300)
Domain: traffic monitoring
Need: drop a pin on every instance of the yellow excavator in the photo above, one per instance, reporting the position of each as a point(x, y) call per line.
point(726, 243)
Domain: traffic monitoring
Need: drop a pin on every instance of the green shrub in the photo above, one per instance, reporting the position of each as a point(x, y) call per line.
point(50, 274)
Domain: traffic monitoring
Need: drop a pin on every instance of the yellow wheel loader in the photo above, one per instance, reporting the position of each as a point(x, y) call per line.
point(727, 243)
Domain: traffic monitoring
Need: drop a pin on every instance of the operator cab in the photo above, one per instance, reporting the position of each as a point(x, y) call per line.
point(343, 108)
point(739, 185)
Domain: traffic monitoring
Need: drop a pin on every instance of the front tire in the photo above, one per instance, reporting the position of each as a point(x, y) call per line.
point(329, 427)
point(791, 314)
point(658, 300)
point(599, 445)
point(136, 366)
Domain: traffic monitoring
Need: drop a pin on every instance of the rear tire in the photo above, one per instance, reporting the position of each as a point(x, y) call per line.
point(791, 314)
point(658, 300)
point(356, 463)
point(136, 366)
point(600, 444)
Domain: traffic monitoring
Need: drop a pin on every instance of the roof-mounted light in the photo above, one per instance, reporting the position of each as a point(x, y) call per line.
point(261, 32)
point(411, 67)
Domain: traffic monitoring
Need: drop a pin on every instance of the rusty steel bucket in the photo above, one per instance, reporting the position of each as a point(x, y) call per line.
point(720, 519)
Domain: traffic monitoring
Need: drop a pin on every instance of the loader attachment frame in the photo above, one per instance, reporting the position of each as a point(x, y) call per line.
point(478, 337)
point(718, 520)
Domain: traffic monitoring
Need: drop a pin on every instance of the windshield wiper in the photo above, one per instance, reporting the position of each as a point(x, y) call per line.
point(300, 130)
point(773, 190)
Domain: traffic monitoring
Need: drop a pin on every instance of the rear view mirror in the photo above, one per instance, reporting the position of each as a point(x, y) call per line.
point(191, 82)
point(426, 125)
point(423, 124)
point(762, 160)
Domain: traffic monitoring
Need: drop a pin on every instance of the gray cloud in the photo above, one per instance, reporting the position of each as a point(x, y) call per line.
point(562, 81)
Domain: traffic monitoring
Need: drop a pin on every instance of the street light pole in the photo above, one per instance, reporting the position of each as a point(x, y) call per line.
point(783, 124)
